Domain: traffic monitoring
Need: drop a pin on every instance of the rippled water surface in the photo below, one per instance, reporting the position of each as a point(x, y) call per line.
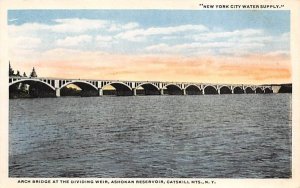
point(216, 136)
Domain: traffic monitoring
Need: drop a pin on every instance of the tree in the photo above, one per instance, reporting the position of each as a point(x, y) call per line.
point(33, 73)
point(24, 74)
point(11, 71)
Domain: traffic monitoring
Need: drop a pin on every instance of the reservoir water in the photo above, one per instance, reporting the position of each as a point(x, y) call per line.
point(207, 136)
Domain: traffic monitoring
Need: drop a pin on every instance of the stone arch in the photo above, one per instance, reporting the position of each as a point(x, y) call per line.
point(225, 90)
point(210, 90)
point(249, 90)
point(238, 90)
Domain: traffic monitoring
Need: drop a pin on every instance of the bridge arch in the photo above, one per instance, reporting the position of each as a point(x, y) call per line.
point(268, 90)
point(173, 89)
point(259, 90)
point(86, 89)
point(79, 83)
point(148, 89)
point(210, 90)
point(27, 81)
point(215, 87)
point(145, 84)
point(193, 89)
point(225, 90)
point(238, 90)
point(30, 88)
point(192, 85)
point(249, 90)
point(121, 88)
point(118, 85)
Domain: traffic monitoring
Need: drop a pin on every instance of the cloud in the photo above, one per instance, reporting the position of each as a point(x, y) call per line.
point(27, 29)
point(158, 47)
point(12, 20)
point(76, 25)
point(227, 34)
point(23, 42)
point(140, 34)
point(279, 53)
point(229, 43)
point(189, 40)
point(130, 25)
point(207, 48)
point(101, 38)
point(73, 41)
point(284, 36)
point(22, 47)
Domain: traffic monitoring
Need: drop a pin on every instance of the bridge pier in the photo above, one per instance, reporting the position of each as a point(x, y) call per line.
point(57, 92)
point(100, 91)
point(184, 91)
point(134, 91)
point(162, 91)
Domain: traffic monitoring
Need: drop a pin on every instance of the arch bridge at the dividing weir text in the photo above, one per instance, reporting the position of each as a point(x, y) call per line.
point(126, 88)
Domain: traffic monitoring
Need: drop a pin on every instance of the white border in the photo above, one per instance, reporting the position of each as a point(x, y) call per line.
point(292, 5)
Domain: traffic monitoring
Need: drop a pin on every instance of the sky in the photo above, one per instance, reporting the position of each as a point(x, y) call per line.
point(241, 47)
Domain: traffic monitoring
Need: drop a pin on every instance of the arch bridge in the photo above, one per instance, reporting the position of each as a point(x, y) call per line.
point(127, 88)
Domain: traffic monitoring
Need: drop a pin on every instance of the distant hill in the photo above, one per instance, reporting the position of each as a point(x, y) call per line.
point(286, 88)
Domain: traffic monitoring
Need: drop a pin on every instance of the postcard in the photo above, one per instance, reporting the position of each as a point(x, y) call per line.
point(149, 93)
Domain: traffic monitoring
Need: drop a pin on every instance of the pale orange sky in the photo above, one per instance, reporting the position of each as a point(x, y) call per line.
point(250, 69)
